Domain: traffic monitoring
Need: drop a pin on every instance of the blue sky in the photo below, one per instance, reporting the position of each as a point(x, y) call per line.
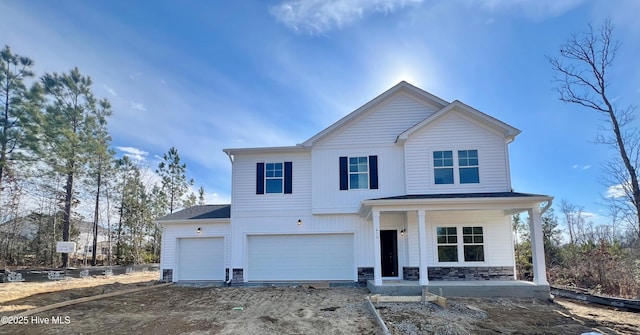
point(207, 75)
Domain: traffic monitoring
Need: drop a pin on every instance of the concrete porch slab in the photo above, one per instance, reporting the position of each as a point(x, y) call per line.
point(469, 288)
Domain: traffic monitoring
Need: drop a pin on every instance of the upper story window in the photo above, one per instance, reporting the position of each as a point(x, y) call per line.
point(468, 163)
point(273, 173)
point(467, 166)
point(274, 178)
point(358, 172)
point(443, 167)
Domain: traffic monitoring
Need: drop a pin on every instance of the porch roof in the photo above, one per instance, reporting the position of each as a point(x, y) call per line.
point(510, 202)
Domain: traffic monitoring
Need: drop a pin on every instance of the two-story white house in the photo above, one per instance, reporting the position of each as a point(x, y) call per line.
point(408, 189)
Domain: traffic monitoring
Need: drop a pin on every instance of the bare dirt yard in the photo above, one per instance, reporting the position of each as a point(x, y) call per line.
point(285, 310)
point(507, 316)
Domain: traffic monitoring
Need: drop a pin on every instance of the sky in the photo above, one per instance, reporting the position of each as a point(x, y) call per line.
point(207, 75)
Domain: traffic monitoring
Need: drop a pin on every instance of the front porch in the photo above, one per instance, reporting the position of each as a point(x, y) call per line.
point(458, 243)
point(466, 288)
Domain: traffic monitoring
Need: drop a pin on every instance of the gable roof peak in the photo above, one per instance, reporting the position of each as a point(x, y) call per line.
point(401, 86)
point(507, 130)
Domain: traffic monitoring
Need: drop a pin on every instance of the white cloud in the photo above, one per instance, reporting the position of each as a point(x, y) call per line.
point(615, 191)
point(580, 167)
point(318, 16)
point(138, 106)
point(110, 90)
point(135, 76)
point(134, 153)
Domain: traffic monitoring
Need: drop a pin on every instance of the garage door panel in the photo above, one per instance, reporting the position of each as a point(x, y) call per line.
point(201, 258)
point(301, 257)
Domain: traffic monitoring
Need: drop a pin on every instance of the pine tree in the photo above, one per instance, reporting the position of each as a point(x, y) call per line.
point(70, 124)
point(174, 179)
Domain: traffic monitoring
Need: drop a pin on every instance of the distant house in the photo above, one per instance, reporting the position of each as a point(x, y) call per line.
point(408, 189)
point(25, 229)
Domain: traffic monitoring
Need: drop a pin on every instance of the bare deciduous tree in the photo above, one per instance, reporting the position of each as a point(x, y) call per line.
point(581, 75)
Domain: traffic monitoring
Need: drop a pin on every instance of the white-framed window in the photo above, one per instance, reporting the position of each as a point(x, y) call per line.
point(453, 241)
point(273, 177)
point(447, 244)
point(473, 244)
point(445, 165)
point(468, 166)
point(358, 173)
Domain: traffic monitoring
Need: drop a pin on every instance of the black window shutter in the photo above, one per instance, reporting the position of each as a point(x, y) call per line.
point(287, 178)
point(373, 172)
point(344, 174)
point(260, 178)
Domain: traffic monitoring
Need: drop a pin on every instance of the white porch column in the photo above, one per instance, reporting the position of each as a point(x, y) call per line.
point(422, 248)
point(377, 265)
point(537, 247)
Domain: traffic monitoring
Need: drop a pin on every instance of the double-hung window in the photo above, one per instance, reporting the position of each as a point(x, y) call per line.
point(450, 245)
point(274, 177)
point(447, 244)
point(443, 167)
point(358, 172)
point(473, 240)
point(468, 164)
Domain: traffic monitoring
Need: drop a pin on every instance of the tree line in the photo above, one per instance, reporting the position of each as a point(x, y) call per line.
point(601, 258)
point(56, 157)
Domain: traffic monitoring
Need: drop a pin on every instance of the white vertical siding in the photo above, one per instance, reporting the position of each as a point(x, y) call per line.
point(381, 125)
point(327, 196)
point(244, 197)
point(173, 231)
point(455, 132)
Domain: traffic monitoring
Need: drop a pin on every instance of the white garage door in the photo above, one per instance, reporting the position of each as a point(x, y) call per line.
point(201, 258)
point(301, 257)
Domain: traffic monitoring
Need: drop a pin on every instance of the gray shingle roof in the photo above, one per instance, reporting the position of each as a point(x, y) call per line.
point(463, 196)
point(200, 212)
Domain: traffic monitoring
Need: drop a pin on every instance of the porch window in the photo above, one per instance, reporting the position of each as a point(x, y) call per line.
point(473, 240)
point(470, 243)
point(447, 244)
point(443, 167)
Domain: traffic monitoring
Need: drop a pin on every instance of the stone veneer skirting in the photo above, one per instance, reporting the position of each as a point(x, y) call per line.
point(238, 276)
point(365, 274)
point(471, 273)
point(461, 273)
point(167, 275)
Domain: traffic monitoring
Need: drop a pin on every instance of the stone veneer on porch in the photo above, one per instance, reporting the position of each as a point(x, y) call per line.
point(461, 273)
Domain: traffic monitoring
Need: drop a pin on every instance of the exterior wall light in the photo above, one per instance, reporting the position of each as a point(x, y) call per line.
point(199, 230)
point(402, 232)
point(299, 222)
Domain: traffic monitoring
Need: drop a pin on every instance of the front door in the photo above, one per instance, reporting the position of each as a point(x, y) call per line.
point(389, 252)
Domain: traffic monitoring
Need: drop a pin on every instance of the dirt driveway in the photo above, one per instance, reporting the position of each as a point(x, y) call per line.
point(190, 310)
point(287, 310)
